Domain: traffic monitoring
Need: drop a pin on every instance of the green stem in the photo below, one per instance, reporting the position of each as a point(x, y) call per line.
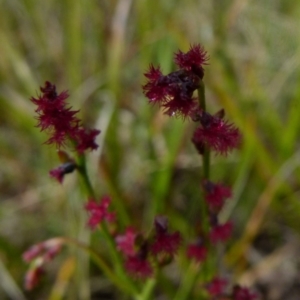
point(126, 281)
point(192, 272)
point(206, 163)
point(201, 95)
point(205, 160)
point(117, 259)
point(147, 290)
point(118, 205)
point(206, 154)
point(187, 283)
point(81, 166)
point(102, 265)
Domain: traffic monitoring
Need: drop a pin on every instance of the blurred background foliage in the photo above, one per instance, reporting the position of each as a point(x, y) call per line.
point(99, 50)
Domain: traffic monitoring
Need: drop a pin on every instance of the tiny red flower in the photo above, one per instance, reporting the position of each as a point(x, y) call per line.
point(216, 286)
point(85, 139)
point(180, 106)
point(60, 121)
point(164, 242)
point(193, 60)
point(138, 267)
point(99, 211)
point(221, 233)
point(215, 194)
point(126, 242)
point(243, 293)
point(197, 251)
point(156, 88)
point(59, 172)
point(216, 134)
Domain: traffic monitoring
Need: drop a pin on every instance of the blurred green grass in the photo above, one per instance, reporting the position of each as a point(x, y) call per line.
point(99, 50)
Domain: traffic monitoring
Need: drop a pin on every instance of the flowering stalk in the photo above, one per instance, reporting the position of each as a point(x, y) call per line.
point(174, 93)
point(66, 131)
point(123, 285)
point(81, 167)
point(192, 273)
point(123, 277)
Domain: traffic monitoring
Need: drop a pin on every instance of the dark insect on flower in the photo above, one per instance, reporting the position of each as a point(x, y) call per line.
point(60, 172)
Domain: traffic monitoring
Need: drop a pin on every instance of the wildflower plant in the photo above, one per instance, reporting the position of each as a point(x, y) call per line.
point(137, 258)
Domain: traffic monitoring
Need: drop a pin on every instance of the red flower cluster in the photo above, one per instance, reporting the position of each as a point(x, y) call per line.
point(164, 242)
point(99, 212)
point(215, 194)
point(221, 233)
point(126, 242)
point(138, 265)
point(218, 233)
point(215, 133)
point(62, 125)
point(197, 251)
point(193, 60)
point(60, 121)
point(174, 92)
point(137, 250)
point(243, 293)
point(217, 287)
